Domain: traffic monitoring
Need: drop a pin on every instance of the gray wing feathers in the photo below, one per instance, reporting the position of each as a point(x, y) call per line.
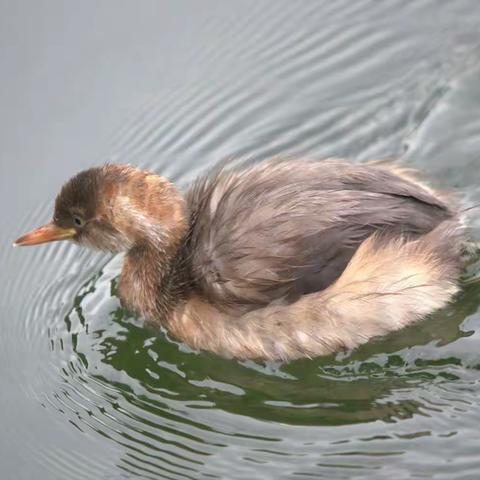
point(281, 229)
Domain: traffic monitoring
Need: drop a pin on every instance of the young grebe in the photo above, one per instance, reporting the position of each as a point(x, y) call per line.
point(281, 260)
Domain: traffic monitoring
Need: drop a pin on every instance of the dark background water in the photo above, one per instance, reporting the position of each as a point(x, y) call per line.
point(86, 392)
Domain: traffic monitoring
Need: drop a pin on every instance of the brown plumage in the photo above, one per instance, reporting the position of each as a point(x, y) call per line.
point(281, 260)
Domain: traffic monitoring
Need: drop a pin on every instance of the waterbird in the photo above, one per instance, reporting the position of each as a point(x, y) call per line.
point(280, 260)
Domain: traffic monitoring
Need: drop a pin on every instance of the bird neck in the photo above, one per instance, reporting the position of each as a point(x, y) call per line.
point(148, 283)
point(156, 229)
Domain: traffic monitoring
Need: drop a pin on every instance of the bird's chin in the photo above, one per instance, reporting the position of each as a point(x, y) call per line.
point(86, 242)
point(102, 243)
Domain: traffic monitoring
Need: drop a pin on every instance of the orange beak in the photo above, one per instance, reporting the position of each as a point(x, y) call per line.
point(44, 234)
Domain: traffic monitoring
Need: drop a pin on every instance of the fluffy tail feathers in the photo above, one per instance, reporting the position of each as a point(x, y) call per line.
point(390, 283)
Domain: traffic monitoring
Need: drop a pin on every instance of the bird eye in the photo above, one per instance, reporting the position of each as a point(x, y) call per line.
point(78, 221)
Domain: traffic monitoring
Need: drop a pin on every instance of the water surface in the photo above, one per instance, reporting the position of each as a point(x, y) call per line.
point(87, 392)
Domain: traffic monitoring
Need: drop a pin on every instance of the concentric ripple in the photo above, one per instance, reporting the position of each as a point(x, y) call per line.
point(179, 413)
point(359, 79)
